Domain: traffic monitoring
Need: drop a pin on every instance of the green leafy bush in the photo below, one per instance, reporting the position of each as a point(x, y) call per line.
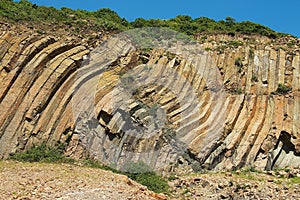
point(295, 180)
point(283, 89)
point(254, 78)
point(238, 62)
point(109, 20)
point(151, 180)
point(26, 11)
point(143, 174)
point(238, 91)
point(230, 19)
point(139, 172)
point(42, 153)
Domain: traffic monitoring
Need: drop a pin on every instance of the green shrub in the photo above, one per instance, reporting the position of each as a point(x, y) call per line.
point(295, 180)
point(238, 62)
point(109, 20)
point(151, 180)
point(41, 32)
point(254, 78)
point(139, 172)
point(26, 11)
point(42, 153)
point(251, 54)
point(143, 174)
point(238, 91)
point(291, 43)
point(230, 19)
point(235, 43)
point(283, 89)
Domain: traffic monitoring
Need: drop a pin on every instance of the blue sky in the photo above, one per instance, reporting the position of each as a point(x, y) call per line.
point(282, 16)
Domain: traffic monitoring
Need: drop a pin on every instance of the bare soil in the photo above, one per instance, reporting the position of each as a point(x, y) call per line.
point(39, 181)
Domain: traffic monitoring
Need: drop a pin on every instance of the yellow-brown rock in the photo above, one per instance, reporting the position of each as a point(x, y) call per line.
point(172, 119)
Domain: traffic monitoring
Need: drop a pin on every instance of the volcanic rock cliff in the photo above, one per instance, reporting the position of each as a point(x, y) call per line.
point(50, 84)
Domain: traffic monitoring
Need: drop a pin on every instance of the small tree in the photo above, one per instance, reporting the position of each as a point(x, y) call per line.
point(229, 19)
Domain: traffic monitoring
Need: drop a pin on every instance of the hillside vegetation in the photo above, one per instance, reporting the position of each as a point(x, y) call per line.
point(106, 19)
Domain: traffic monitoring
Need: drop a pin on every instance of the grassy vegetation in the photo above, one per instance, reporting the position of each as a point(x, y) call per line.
point(106, 19)
point(238, 91)
point(295, 180)
point(103, 19)
point(239, 63)
point(249, 173)
point(191, 26)
point(151, 180)
point(42, 153)
point(254, 78)
point(139, 172)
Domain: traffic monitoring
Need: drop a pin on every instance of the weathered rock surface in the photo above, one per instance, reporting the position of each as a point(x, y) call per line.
point(174, 117)
point(238, 185)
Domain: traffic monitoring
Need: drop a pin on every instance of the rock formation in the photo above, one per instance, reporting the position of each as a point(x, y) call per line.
point(236, 104)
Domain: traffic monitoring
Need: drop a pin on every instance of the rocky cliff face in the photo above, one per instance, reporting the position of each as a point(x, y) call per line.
point(234, 104)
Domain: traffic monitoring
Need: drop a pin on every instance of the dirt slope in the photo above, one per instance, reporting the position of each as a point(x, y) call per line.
point(41, 181)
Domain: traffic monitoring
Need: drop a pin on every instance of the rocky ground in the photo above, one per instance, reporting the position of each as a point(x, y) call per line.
point(29, 181)
point(40, 181)
point(238, 185)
